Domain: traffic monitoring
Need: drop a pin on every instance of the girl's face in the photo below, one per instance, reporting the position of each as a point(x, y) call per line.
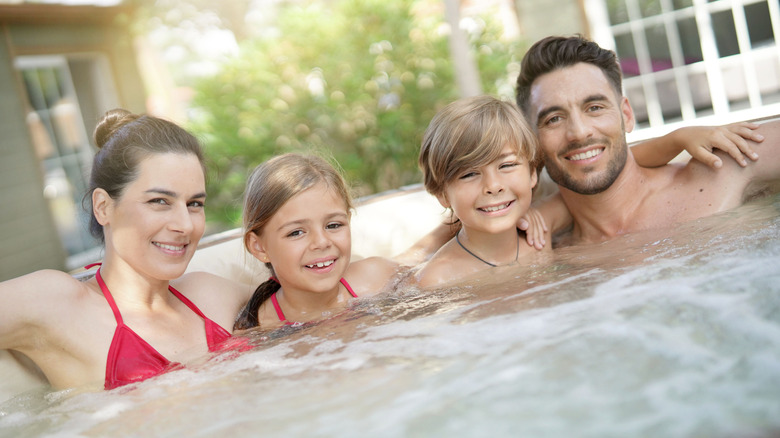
point(491, 198)
point(156, 224)
point(307, 241)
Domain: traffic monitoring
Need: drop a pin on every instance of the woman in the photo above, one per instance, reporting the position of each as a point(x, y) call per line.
point(139, 316)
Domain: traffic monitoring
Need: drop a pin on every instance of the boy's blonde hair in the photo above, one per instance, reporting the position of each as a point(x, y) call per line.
point(470, 133)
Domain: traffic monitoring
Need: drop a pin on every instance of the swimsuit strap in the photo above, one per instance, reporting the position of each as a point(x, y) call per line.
point(109, 298)
point(349, 288)
point(115, 309)
point(186, 302)
point(278, 308)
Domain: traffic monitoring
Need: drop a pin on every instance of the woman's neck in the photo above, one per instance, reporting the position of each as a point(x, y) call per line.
point(132, 287)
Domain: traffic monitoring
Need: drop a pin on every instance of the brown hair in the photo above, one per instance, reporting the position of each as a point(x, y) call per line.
point(469, 133)
point(555, 52)
point(268, 188)
point(124, 140)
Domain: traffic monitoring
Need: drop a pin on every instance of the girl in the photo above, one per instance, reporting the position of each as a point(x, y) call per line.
point(138, 316)
point(479, 158)
point(296, 219)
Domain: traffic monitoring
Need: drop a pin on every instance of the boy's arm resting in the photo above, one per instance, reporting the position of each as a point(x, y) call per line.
point(767, 168)
point(555, 213)
point(736, 139)
point(424, 248)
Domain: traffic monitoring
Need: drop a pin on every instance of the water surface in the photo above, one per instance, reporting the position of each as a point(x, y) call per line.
point(671, 333)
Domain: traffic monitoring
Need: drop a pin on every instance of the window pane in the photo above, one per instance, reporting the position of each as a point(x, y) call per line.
point(624, 45)
point(650, 8)
point(759, 24)
point(689, 39)
point(725, 33)
point(636, 97)
point(669, 98)
point(617, 11)
point(680, 4)
point(700, 93)
point(658, 46)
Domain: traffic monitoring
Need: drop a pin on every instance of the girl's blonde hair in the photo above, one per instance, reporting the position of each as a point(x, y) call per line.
point(470, 133)
point(268, 188)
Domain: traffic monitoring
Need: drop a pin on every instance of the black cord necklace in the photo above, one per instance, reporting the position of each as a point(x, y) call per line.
point(480, 258)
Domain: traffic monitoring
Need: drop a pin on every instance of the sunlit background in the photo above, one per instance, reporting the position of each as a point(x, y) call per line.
point(358, 80)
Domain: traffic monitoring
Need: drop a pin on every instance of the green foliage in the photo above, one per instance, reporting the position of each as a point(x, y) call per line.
point(355, 79)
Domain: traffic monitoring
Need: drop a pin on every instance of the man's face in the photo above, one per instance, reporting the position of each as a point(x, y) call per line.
point(581, 124)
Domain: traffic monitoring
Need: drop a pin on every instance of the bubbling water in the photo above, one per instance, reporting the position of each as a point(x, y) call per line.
point(661, 333)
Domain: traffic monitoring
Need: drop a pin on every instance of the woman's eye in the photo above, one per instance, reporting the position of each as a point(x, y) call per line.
point(196, 204)
point(159, 201)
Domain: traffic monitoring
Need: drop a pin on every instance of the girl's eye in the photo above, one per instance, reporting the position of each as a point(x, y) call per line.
point(334, 225)
point(295, 233)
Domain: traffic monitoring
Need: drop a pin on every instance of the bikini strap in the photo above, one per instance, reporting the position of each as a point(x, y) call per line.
point(278, 308)
point(349, 288)
point(186, 302)
point(109, 298)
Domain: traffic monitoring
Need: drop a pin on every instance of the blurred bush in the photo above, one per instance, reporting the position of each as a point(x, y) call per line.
point(357, 80)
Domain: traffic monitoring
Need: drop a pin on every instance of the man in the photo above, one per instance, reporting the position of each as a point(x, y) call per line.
point(570, 89)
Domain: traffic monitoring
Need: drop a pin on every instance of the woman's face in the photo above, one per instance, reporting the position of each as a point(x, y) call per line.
point(307, 241)
point(156, 224)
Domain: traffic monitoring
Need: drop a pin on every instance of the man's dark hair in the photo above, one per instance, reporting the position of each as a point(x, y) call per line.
point(554, 52)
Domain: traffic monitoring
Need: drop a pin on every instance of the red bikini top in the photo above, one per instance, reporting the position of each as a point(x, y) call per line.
point(278, 308)
point(131, 359)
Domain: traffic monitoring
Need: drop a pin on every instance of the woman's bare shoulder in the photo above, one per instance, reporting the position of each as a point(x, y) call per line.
point(47, 282)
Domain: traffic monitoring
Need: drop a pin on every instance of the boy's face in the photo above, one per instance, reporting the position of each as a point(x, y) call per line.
point(491, 198)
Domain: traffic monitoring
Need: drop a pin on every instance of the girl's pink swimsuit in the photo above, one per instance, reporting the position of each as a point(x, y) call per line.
point(278, 308)
point(131, 359)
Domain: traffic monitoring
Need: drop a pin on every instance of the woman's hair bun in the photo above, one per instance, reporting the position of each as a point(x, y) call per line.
point(110, 123)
